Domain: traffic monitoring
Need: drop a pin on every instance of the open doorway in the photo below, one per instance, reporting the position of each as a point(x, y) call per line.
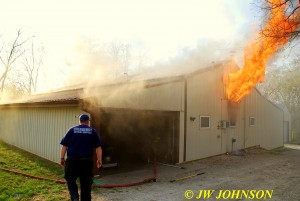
point(133, 136)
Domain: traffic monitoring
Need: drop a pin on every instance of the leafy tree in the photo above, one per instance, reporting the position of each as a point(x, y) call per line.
point(282, 85)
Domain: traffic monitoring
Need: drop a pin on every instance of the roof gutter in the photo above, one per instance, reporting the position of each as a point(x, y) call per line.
point(42, 104)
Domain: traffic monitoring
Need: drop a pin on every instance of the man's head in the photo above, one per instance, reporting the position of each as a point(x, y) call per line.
point(84, 119)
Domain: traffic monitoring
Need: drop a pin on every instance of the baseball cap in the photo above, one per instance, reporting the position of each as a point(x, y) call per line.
point(84, 117)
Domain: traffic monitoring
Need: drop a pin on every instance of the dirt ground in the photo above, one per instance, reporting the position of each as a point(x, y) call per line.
point(252, 169)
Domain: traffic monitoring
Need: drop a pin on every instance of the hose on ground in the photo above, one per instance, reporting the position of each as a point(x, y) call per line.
point(32, 176)
point(153, 178)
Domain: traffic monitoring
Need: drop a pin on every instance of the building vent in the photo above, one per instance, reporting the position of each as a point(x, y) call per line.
point(252, 121)
point(232, 123)
point(224, 124)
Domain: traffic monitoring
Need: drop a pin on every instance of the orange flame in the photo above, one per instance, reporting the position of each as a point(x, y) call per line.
point(257, 53)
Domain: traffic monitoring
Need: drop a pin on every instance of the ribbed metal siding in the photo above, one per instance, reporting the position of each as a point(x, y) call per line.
point(268, 129)
point(204, 97)
point(38, 130)
point(274, 121)
point(253, 109)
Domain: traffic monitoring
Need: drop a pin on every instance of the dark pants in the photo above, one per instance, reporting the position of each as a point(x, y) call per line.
point(82, 169)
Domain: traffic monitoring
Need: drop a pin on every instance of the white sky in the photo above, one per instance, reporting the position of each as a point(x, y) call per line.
point(163, 26)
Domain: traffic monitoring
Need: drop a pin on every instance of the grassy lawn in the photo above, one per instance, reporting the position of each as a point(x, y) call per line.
point(18, 187)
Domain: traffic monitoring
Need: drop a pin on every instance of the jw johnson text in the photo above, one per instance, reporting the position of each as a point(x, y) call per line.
point(229, 194)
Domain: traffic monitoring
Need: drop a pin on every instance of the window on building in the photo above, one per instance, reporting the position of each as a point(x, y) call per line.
point(204, 121)
point(251, 121)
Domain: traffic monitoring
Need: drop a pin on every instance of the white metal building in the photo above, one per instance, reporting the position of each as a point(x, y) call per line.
point(180, 118)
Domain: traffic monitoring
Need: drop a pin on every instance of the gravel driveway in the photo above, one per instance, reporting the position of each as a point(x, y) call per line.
point(276, 172)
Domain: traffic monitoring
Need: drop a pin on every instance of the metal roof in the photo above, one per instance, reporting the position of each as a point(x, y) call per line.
point(68, 96)
point(75, 93)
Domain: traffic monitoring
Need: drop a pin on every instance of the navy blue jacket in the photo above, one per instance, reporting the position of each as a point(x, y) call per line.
point(80, 141)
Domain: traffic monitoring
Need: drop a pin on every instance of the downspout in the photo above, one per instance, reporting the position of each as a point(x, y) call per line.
point(185, 119)
point(245, 124)
point(282, 126)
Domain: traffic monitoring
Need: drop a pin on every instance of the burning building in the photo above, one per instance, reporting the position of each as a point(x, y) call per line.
point(179, 118)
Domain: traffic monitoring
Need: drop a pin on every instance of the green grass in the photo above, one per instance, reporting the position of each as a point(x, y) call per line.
point(18, 187)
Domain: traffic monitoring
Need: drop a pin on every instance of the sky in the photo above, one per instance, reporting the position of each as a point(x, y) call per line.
point(163, 27)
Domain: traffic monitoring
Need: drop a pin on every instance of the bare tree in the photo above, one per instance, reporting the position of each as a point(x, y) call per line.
point(32, 63)
point(121, 53)
point(289, 27)
point(9, 57)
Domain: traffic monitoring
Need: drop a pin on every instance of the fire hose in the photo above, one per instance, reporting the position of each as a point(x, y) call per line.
point(153, 178)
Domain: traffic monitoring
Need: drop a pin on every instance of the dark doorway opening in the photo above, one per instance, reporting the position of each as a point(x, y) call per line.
point(136, 135)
